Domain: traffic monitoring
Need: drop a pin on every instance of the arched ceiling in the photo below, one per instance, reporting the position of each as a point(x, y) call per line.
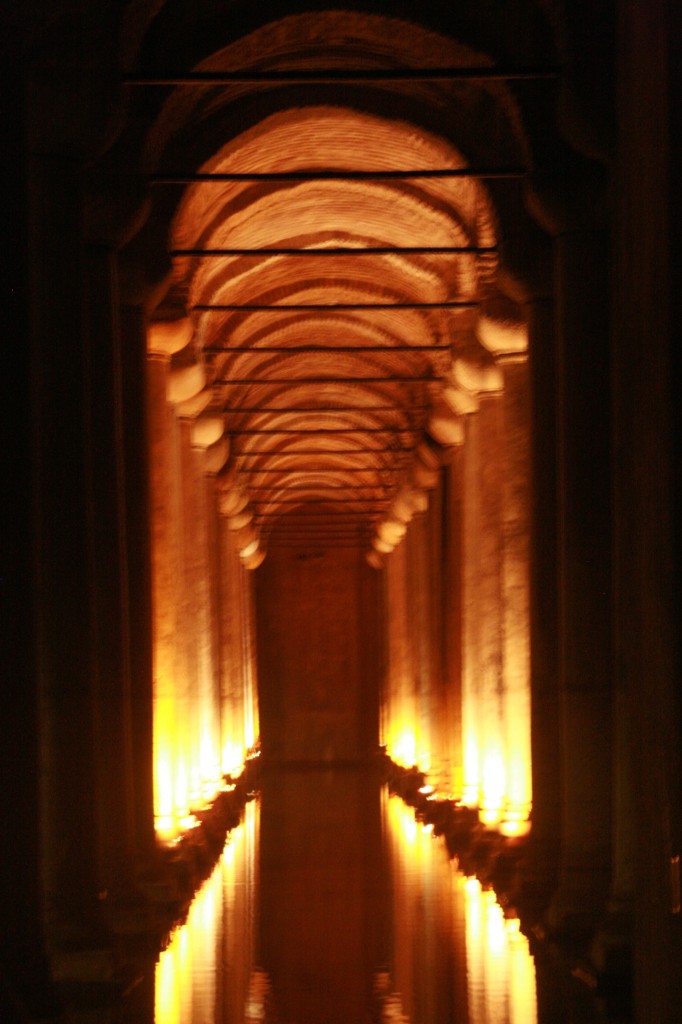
point(332, 295)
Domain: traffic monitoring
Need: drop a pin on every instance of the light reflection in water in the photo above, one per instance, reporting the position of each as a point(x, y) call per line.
point(203, 974)
point(335, 920)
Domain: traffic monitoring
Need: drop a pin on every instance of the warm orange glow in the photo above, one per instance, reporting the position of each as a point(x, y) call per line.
point(401, 745)
point(493, 782)
point(188, 970)
point(497, 759)
point(501, 971)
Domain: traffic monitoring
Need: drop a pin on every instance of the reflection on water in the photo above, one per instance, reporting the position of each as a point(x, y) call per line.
point(455, 957)
point(204, 975)
point(331, 904)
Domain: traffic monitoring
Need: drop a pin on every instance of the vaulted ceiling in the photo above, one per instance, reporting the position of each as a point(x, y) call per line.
point(333, 202)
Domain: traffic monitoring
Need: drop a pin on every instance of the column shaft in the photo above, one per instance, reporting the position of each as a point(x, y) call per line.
point(169, 789)
point(584, 576)
point(108, 604)
point(452, 616)
point(23, 964)
point(232, 675)
point(62, 556)
point(515, 457)
point(544, 616)
point(139, 559)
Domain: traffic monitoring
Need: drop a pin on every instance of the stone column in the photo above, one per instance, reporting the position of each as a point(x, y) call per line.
point(503, 333)
point(515, 458)
point(163, 340)
point(202, 545)
point(420, 602)
point(489, 609)
point(106, 497)
point(232, 672)
point(471, 527)
point(62, 555)
point(452, 555)
point(23, 962)
point(190, 625)
point(583, 405)
point(400, 712)
point(139, 569)
point(544, 629)
point(251, 716)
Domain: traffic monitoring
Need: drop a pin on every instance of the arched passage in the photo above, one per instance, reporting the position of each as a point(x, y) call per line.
point(428, 473)
point(338, 271)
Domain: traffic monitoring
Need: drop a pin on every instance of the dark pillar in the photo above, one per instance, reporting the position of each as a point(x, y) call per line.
point(24, 973)
point(108, 561)
point(451, 597)
point(68, 767)
point(139, 561)
point(583, 407)
point(647, 474)
point(544, 633)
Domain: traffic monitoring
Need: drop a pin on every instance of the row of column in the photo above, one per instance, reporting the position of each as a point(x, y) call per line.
point(514, 562)
point(90, 545)
point(123, 728)
point(205, 713)
point(457, 700)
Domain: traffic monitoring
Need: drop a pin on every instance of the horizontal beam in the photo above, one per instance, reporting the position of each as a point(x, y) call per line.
point(308, 488)
point(437, 173)
point(327, 469)
point(324, 307)
point(313, 544)
point(330, 76)
point(294, 410)
point(238, 381)
point(369, 505)
point(329, 349)
point(329, 430)
point(329, 531)
point(318, 451)
point(338, 515)
point(343, 250)
point(319, 535)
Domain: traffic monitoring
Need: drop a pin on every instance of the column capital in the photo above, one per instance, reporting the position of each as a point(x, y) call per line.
point(501, 328)
point(166, 337)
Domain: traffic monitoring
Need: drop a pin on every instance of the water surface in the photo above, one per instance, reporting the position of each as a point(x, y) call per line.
point(332, 904)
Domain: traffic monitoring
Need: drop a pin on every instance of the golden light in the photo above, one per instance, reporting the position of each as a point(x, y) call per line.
point(401, 745)
point(501, 971)
point(188, 972)
point(433, 898)
point(493, 784)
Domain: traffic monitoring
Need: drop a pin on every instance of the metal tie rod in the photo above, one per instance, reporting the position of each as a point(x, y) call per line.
point(326, 469)
point(325, 307)
point(267, 381)
point(368, 504)
point(307, 452)
point(328, 430)
point(344, 250)
point(185, 178)
point(324, 76)
point(340, 516)
point(295, 350)
point(294, 410)
point(277, 488)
